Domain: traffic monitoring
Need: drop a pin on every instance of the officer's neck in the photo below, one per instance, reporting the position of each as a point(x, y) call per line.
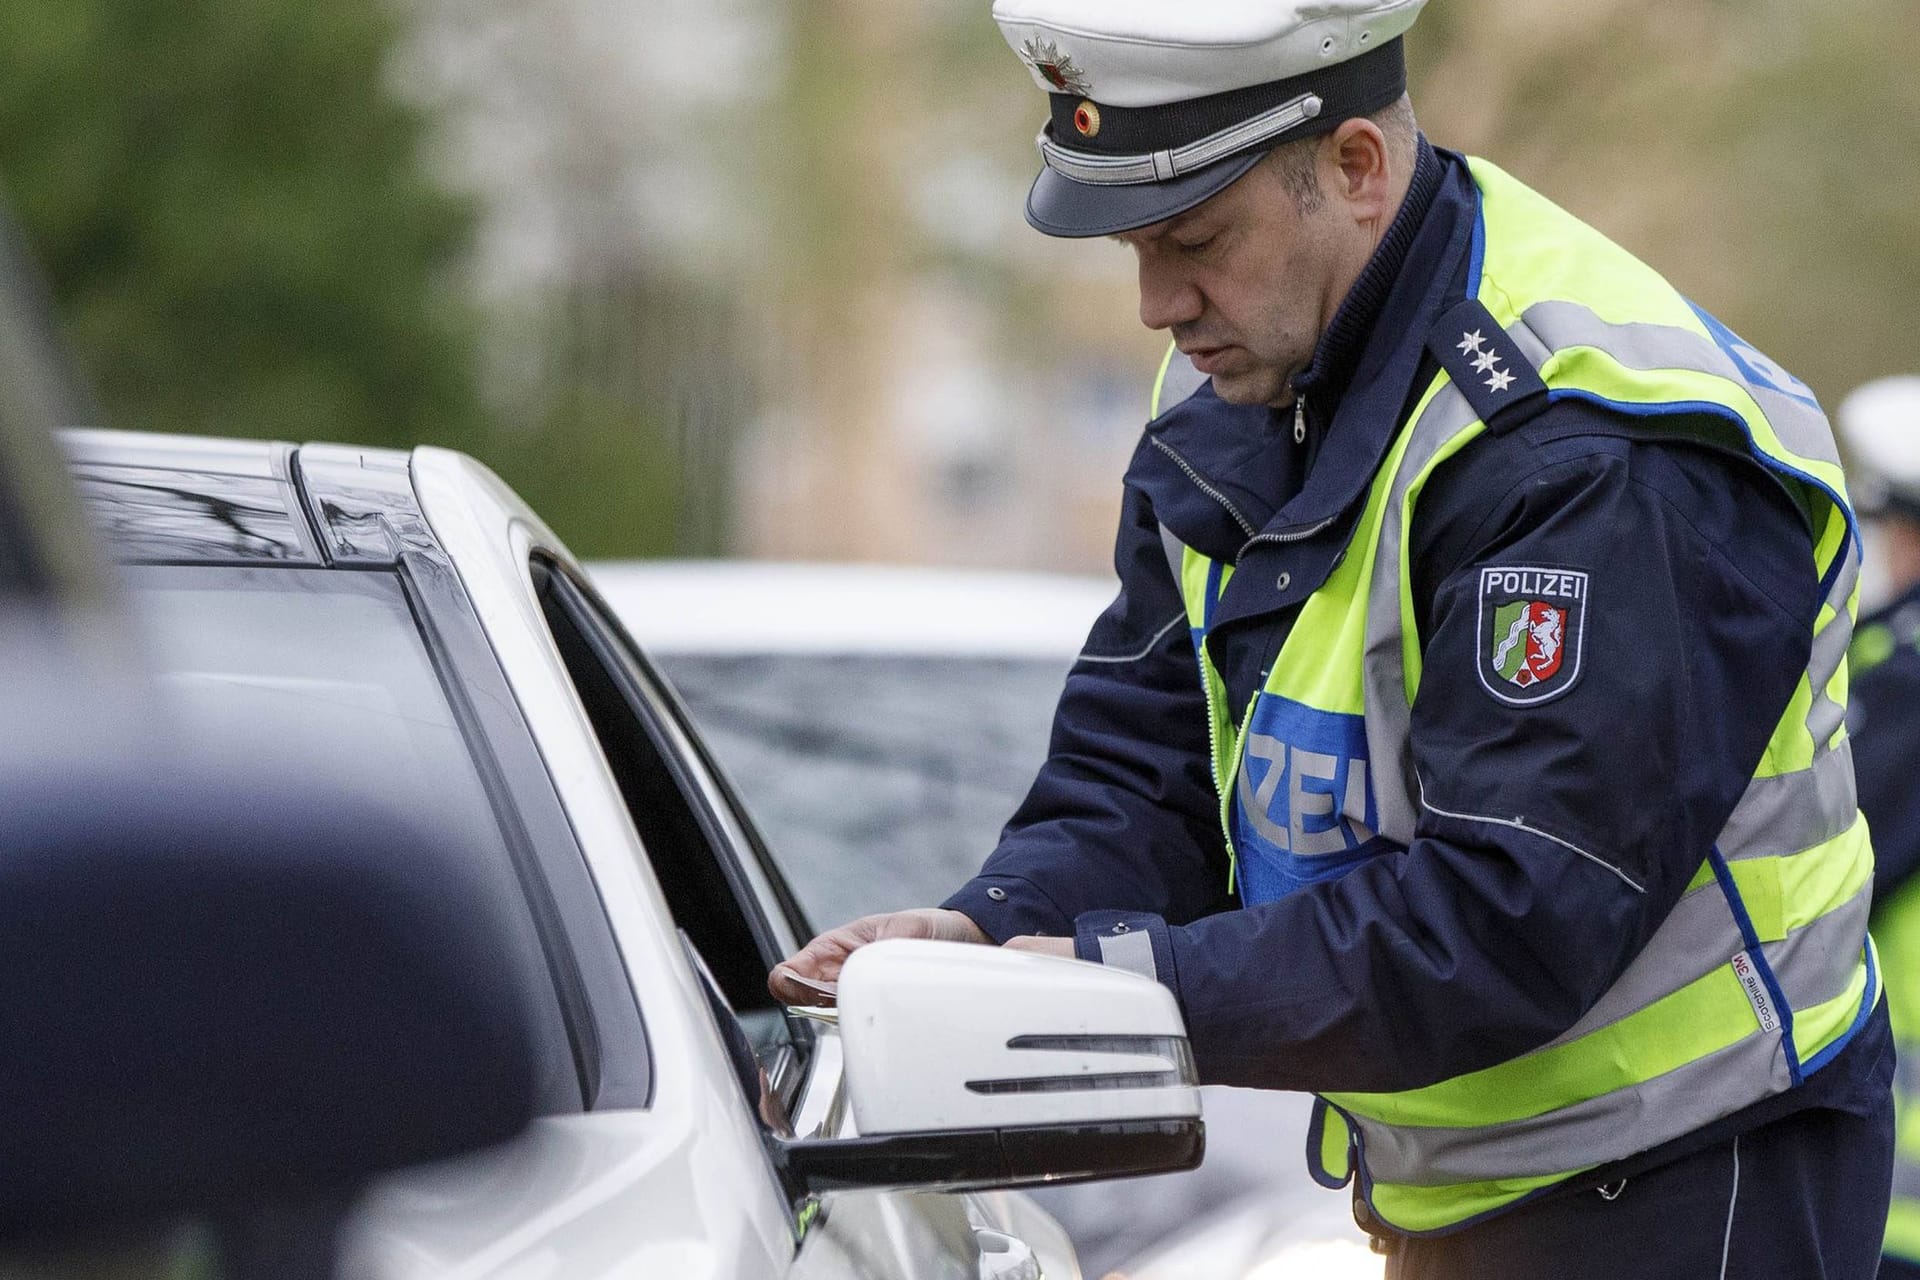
point(1345, 335)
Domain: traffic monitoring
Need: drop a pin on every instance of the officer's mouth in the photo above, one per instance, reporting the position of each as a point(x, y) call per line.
point(1208, 360)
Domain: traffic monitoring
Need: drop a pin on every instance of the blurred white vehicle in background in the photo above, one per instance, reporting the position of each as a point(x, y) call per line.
point(881, 725)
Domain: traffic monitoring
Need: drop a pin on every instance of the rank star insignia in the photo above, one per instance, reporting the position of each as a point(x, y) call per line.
point(1500, 381)
point(1532, 628)
point(1055, 67)
point(1470, 342)
point(1484, 362)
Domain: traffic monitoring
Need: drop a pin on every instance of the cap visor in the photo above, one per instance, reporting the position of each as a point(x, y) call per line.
point(1059, 206)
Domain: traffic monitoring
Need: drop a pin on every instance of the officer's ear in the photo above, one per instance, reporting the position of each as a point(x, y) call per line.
point(1362, 179)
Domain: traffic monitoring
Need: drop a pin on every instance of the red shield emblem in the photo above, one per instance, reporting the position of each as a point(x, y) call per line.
point(1531, 620)
point(1534, 644)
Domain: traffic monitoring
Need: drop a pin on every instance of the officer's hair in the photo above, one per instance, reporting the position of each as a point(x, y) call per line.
point(1294, 162)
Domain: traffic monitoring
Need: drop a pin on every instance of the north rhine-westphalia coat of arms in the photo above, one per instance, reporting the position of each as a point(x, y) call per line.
point(1532, 625)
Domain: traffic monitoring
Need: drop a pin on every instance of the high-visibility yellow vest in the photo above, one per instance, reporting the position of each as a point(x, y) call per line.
point(1764, 969)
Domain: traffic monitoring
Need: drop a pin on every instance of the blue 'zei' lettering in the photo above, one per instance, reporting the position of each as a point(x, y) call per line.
point(1303, 800)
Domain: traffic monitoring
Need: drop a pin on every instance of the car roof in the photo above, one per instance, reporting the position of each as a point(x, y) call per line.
point(752, 607)
point(172, 499)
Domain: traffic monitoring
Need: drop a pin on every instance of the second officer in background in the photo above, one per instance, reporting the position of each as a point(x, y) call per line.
point(1881, 426)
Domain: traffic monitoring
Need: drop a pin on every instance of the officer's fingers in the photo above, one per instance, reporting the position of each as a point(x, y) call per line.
point(818, 961)
point(821, 959)
point(786, 986)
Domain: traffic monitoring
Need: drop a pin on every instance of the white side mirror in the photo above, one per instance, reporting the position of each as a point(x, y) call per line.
point(976, 1066)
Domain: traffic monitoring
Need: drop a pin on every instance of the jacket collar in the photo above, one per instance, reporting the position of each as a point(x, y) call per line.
point(1219, 474)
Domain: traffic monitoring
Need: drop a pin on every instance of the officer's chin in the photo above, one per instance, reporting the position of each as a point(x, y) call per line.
point(1252, 386)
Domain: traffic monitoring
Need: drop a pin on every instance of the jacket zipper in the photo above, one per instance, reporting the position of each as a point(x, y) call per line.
point(1295, 535)
point(1215, 713)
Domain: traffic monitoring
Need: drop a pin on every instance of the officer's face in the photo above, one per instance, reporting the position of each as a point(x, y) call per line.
point(1248, 281)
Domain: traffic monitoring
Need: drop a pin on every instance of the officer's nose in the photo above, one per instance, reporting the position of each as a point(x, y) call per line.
point(1167, 297)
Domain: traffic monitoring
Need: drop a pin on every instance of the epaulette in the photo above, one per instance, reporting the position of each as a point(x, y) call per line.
point(1491, 371)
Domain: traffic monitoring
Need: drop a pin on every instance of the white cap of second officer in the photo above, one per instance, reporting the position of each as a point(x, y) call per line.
point(1880, 423)
point(1157, 105)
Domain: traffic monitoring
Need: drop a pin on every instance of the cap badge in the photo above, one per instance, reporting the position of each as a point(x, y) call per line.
point(1086, 118)
point(1055, 67)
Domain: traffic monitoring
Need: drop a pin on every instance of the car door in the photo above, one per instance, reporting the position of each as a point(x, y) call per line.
point(740, 918)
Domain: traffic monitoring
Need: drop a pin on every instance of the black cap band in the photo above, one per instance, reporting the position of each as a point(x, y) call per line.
point(1357, 87)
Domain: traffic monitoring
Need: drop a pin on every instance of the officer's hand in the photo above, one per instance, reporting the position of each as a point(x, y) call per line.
point(820, 960)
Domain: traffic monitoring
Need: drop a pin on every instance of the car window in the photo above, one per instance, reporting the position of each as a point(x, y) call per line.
point(726, 901)
point(324, 674)
point(880, 781)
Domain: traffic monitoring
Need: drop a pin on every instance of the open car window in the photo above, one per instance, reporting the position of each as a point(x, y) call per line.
point(726, 900)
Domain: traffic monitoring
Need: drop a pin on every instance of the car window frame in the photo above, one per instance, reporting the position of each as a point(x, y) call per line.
point(753, 880)
point(613, 1051)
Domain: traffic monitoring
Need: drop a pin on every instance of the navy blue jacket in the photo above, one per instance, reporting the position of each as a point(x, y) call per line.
point(1480, 941)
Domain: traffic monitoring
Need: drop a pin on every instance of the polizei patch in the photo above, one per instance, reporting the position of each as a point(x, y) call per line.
point(1532, 622)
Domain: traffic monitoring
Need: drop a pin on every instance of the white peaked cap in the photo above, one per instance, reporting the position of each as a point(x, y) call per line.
point(1147, 53)
point(1880, 424)
point(1157, 105)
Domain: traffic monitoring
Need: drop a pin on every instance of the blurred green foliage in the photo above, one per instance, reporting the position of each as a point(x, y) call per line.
point(232, 212)
point(230, 202)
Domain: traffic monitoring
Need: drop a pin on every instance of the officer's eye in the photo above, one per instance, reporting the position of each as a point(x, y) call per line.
point(1200, 245)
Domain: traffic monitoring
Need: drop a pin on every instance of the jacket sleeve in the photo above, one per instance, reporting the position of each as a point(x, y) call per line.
point(1123, 813)
point(1553, 838)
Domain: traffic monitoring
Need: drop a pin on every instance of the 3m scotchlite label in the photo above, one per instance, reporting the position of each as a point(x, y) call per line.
point(1748, 972)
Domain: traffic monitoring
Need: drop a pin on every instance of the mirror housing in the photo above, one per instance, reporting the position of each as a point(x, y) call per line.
point(221, 991)
point(972, 1066)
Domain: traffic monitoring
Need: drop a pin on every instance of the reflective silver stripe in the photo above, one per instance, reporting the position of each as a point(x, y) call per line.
point(1699, 936)
point(1389, 716)
point(1178, 619)
point(1849, 578)
point(1520, 824)
point(1793, 811)
point(1610, 1127)
point(1825, 716)
point(1802, 428)
point(1179, 381)
point(1822, 959)
point(1176, 553)
point(1130, 951)
point(1160, 166)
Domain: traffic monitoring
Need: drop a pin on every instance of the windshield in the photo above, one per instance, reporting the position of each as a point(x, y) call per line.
point(323, 674)
point(878, 782)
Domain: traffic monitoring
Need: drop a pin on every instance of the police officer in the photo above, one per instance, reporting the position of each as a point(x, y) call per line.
point(1465, 744)
point(1881, 424)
